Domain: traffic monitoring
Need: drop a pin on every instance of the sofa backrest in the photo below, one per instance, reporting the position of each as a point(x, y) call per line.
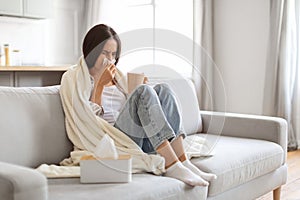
point(185, 92)
point(32, 126)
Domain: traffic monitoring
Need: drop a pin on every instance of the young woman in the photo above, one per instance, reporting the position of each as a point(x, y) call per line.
point(149, 116)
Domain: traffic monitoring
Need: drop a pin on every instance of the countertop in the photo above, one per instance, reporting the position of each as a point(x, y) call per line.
point(34, 68)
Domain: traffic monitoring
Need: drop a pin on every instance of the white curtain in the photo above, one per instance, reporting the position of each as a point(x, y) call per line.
point(203, 71)
point(91, 15)
point(282, 74)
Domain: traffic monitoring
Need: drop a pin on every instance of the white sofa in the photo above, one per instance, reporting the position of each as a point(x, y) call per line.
point(249, 152)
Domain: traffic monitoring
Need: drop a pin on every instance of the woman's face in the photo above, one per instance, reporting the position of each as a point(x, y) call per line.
point(109, 51)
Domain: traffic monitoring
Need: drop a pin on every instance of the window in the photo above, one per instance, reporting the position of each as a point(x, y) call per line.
point(142, 21)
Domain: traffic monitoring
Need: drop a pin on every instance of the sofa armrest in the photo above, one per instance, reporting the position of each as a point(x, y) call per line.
point(21, 183)
point(272, 129)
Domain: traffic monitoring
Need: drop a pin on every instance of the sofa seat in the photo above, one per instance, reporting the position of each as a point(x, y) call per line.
point(239, 160)
point(142, 186)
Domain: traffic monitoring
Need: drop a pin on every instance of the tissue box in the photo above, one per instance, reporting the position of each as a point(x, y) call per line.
point(105, 170)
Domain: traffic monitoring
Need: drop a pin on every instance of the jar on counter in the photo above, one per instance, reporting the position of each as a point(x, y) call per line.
point(16, 57)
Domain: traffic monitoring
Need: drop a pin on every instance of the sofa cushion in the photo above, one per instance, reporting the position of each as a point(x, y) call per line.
point(33, 121)
point(187, 101)
point(238, 160)
point(143, 186)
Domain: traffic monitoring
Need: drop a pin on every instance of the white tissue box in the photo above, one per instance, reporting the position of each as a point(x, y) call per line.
point(105, 170)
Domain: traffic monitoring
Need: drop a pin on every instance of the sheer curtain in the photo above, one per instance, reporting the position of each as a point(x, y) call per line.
point(281, 97)
point(91, 15)
point(203, 71)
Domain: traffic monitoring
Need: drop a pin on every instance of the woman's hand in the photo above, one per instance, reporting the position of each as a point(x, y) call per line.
point(107, 75)
point(146, 80)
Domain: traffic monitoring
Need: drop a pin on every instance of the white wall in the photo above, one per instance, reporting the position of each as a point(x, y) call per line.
point(241, 36)
point(53, 41)
point(64, 28)
point(26, 35)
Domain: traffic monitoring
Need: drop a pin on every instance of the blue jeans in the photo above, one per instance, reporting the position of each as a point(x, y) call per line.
point(150, 116)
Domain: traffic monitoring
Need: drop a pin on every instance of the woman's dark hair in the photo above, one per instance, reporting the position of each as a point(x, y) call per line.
point(94, 42)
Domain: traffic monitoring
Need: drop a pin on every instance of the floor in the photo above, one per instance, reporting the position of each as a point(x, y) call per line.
point(291, 190)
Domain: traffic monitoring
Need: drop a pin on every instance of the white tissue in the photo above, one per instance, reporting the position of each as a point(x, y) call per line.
point(106, 148)
point(106, 61)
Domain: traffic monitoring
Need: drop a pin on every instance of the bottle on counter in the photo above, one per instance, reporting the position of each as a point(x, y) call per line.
point(6, 52)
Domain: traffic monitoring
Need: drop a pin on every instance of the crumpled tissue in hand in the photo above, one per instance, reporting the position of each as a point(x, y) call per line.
point(106, 62)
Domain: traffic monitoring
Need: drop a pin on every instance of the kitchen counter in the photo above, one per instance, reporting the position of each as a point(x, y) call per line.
point(31, 76)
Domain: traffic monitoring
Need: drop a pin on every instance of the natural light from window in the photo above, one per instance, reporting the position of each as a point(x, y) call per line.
point(130, 15)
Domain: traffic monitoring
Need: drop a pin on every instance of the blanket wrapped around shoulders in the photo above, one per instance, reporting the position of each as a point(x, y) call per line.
point(85, 129)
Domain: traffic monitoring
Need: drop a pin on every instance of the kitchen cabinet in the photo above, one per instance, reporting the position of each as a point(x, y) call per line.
point(31, 76)
point(6, 79)
point(37, 79)
point(38, 8)
point(11, 7)
point(27, 8)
